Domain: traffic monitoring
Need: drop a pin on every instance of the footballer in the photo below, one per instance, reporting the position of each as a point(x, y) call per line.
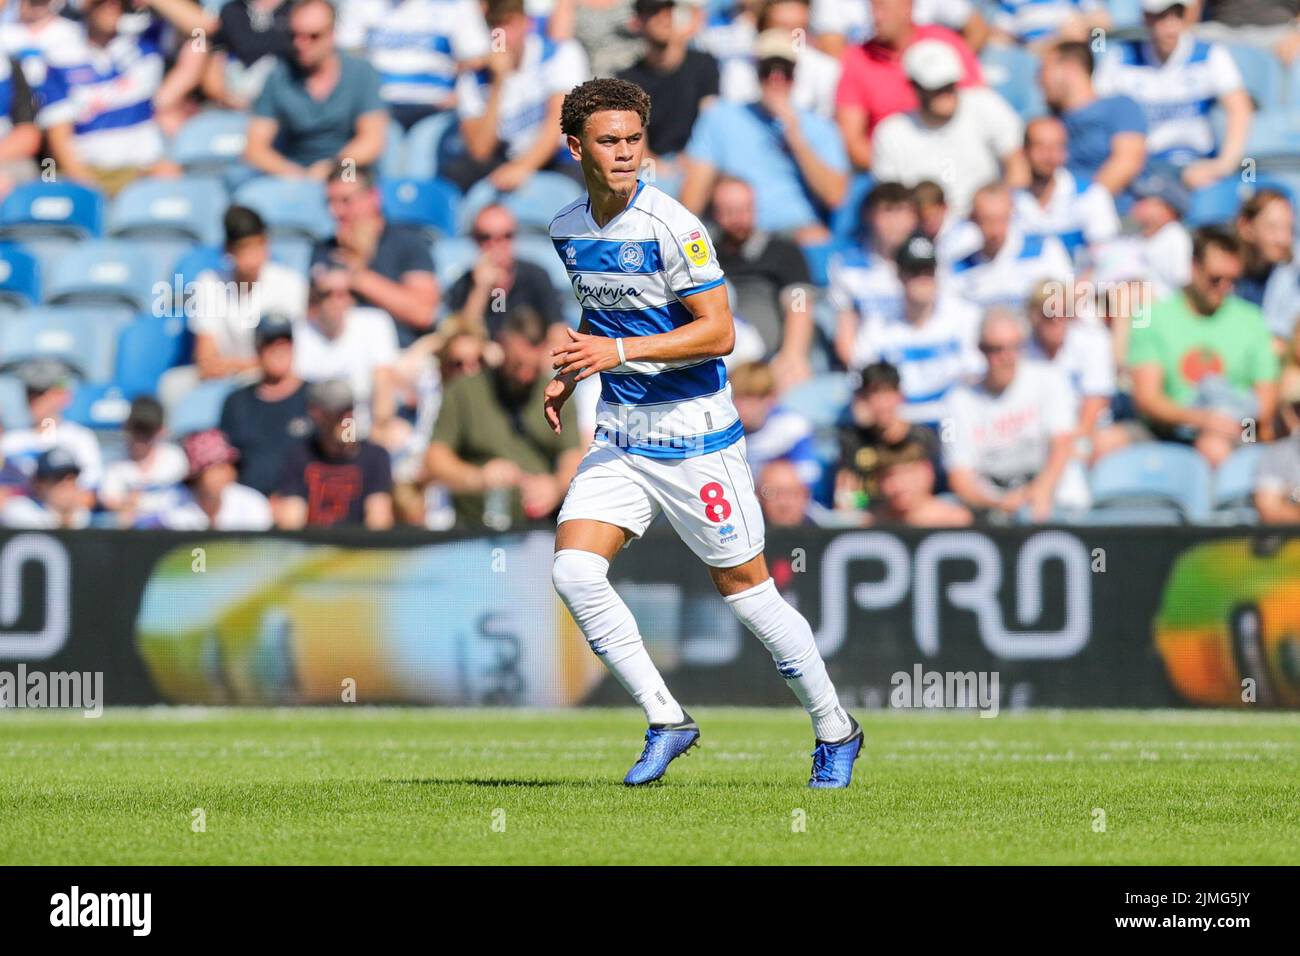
point(655, 325)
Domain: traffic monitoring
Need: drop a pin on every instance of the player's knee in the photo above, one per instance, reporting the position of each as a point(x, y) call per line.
point(577, 575)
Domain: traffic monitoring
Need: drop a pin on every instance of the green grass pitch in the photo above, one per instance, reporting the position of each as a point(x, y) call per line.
point(456, 786)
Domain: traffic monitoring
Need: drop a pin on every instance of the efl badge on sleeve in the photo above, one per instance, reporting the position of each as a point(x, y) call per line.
point(696, 247)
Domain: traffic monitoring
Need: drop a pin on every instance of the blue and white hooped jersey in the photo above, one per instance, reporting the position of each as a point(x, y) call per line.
point(1078, 212)
point(1031, 20)
point(415, 45)
point(1176, 96)
point(865, 282)
point(1008, 278)
point(107, 94)
point(630, 278)
point(34, 48)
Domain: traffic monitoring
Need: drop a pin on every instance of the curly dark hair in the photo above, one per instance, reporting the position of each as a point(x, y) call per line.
point(601, 94)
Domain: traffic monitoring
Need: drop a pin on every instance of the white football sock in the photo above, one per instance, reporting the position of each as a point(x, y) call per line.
point(789, 639)
point(582, 580)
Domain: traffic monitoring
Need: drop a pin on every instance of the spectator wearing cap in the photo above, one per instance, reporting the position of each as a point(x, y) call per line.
point(770, 277)
point(499, 281)
point(1009, 446)
point(783, 495)
point(55, 499)
point(1178, 80)
point(418, 48)
point(905, 477)
point(1036, 23)
point(771, 431)
point(510, 109)
point(1084, 354)
point(492, 435)
point(876, 429)
point(1164, 244)
point(319, 107)
point(962, 138)
point(816, 75)
point(388, 266)
point(333, 478)
point(864, 279)
point(1270, 279)
point(792, 157)
point(47, 385)
point(1007, 263)
point(681, 82)
point(873, 85)
point(1204, 367)
point(145, 481)
point(263, 419)
point(227, 304)
point(1058, 203)
point(1105, 135)
point(212, 497)
point(339, 339)
point(931, 342)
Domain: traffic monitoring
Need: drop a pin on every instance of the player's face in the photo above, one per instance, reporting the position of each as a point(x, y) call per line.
point(611, 149)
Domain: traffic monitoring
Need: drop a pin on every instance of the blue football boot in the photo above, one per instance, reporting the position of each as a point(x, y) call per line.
point(832, 767)
point(664, 743)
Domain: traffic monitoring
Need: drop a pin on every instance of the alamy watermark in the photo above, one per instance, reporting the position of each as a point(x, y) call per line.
point(945, 690)
point(60, 690)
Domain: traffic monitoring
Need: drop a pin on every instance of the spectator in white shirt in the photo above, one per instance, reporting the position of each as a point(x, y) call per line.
point(47, 383)
point(1178, 79)
point(226, 306)
point(816, 74)
point(145, 482)
point(1002, 270)
point(338, 339)
point(212, 497)
point(56, 501)
point(961, 138)
point(1009, 438)
point(1166, 245)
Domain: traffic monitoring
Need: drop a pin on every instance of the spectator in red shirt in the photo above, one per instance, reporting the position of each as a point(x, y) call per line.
point(872, 83)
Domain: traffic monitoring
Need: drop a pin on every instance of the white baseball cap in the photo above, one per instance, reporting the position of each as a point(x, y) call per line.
point(1160, 6)
point(932, 64)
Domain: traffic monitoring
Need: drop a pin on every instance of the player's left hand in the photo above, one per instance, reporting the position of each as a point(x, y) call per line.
point(557, 393)
point(585, 354)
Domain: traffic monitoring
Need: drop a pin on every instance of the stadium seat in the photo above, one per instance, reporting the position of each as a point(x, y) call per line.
point(541, 251)
point(1157, 479)
point(1013, 72)
point(211, 141)
point(1215, 204)
point(13, 404)
point(148, 347)
point(63, 210)
point(98, 406)
point(80, 337)
point(1263, 75)
point(1234, 485)
point(423, 143)
point(103, 272)
point(819, 259)
point(20, 281)
point(823, 399)
point(188, 209)
point(846, 220)
point(393, 161)
point(1274, 139)
point(1125, 14)
point(453, 256)
point(534, 204)
point(290, 207)
point(427, 203)
point(200, 407)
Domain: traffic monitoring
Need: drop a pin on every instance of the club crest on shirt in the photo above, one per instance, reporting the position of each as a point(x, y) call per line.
point(695, 246)
point(630, 256)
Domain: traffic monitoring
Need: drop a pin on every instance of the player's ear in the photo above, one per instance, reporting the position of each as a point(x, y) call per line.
point(575, 146)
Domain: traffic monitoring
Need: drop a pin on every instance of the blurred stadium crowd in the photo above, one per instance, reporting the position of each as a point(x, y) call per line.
point(281, 263)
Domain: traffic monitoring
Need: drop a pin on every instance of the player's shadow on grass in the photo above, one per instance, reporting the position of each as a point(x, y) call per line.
point(480, 782)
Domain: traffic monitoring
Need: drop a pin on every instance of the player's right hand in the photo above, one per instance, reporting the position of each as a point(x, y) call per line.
point(557, 393)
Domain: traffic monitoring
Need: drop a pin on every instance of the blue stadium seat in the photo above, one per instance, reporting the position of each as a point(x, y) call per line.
point(1274, 139)
point(40, 210)
point(1125, 14)
point(1215, 204)
point(534, 204)
point(427, 203)
point(819, 259)
point(453, 256)
point(1153, 478)
point(1263, 75)
point(99, 406)
point(20, 280)
point(823, 399)
point(103, 271)
point(1234, 484)
point(81, 337)
point(200, 407)
point(211, 141)
point(846, 222)
point(1013, 72)
point(148, 347)
point(188, 209)
point(393, 161)
point(290, 207)
point(13, 404)
point(423, 143)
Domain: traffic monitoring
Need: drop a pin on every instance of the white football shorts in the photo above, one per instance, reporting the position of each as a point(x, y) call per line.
point(709, 499)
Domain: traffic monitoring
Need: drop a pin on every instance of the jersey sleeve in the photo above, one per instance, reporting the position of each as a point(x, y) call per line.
point(689, 259)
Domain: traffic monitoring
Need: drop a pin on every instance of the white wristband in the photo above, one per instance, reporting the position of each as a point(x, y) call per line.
point(622, 358)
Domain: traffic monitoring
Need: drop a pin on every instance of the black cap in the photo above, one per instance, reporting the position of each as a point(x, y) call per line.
point(916, 254)
point(273, 325)
point(55, 463)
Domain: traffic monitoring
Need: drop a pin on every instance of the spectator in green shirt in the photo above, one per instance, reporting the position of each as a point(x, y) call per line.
point(1204, 368)
point(492, 447)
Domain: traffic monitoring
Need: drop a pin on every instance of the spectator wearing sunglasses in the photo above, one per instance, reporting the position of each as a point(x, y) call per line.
point(499, 282)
